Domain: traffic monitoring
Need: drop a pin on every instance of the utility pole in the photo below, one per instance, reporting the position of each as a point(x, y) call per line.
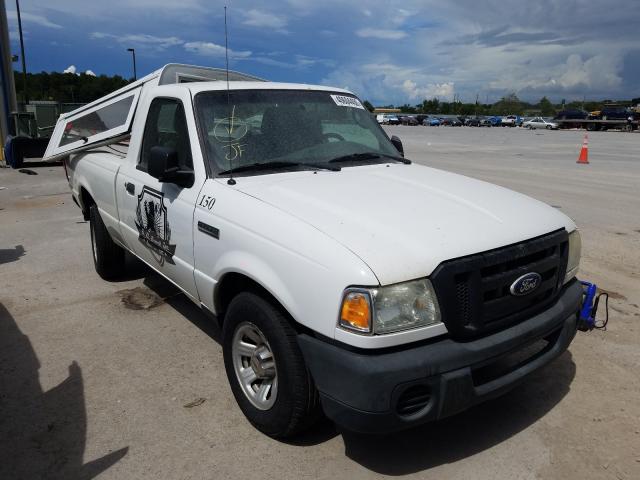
point(7, 88)
point(25, 95)
point(133, 53)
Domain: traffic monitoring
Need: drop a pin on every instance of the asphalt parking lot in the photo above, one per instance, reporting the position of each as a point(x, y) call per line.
point(125, 379)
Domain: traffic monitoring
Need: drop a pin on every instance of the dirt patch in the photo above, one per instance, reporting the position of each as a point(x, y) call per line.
point(197, 402)
point(140, 298)
point(41, 201)
point(614, 295)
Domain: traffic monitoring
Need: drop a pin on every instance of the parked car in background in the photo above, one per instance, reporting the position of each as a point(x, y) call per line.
point(539, 122)
point(431, 122)
point(408, 120)
point(614, 113)
point(451, 122)
point(421, 118)
point(473, 122)
point(391, 120)
point(571, 115)
point(380, 118)
point(511, 121)
point(486, 122)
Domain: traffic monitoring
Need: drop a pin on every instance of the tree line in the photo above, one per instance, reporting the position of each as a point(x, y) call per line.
point(67, 87)
point(508, 105)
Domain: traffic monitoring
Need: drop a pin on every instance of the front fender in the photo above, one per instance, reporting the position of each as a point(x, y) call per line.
point(255, 268)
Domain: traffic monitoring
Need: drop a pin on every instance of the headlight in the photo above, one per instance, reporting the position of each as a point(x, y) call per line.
point(575, 248)
point(390, 309)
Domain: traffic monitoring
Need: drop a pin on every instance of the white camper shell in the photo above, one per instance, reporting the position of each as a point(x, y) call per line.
point(109, 119)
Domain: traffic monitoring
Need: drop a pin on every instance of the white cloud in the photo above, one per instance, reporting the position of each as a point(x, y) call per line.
point(386, 82)
point(599, 72)
point(258, 18)
point(431, 90)
point(70, 69)
point(27, 17)
point(90, 73)
point(381, 33)
point(141, 40)
point(209, 49)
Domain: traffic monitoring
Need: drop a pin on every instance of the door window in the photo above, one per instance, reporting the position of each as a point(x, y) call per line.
point(166, 127)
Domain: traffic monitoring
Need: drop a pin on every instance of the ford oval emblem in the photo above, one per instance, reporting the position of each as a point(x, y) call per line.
point(526, 284)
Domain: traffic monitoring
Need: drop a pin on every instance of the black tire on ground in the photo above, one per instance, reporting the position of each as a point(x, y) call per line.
point(296, 406)
point(108, 258)
point(548, 127)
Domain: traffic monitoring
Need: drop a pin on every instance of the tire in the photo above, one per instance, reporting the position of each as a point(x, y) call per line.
point(296, 405)
point(548, 127)
point(108, 258)
point(17, 155)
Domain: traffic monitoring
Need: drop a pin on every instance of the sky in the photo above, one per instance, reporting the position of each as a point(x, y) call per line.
point(387, 52)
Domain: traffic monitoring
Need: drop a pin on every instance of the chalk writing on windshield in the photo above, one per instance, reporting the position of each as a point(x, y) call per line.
point(229, 131)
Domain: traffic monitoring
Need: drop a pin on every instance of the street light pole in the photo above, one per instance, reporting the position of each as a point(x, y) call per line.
point(25, 95)
point(133, 53)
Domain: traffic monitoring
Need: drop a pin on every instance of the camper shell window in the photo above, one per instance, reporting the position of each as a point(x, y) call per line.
point(99, 121)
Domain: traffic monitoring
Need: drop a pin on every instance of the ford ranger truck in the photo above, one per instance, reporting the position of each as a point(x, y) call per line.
point(347, 280)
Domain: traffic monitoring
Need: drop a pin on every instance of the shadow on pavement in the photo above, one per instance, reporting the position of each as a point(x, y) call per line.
point(39, 163)
point(42, 434)
point(174, 297)
point(468, 433)
point(8, 255)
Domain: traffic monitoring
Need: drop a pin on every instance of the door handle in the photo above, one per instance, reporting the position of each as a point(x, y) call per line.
point(130, 188)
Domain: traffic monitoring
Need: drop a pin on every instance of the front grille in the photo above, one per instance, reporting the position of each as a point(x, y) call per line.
point(473, 291)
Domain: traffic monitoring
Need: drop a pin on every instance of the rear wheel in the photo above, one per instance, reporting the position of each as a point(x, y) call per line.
point(108, 258)
point(265, 368)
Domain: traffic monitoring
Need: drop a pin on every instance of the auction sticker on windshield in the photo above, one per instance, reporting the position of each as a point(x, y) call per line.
point(344, 101)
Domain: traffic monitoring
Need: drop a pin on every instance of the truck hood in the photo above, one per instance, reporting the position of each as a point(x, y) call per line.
point(404, 220)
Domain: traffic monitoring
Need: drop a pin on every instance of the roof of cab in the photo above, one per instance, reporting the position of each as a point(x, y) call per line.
point(197, 87)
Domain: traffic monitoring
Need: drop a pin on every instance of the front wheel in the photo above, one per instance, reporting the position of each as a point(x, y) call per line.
point(265, 368)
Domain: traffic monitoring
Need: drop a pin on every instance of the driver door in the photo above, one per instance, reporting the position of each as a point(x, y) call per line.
point(156, 218)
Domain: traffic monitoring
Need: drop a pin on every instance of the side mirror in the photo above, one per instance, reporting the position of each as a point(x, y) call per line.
point(398, 144)
point(164, 165)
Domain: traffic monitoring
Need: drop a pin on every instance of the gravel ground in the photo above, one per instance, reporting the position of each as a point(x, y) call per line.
point(125, 379)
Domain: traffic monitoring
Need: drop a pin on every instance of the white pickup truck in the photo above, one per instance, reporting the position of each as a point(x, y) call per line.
point(347, 279)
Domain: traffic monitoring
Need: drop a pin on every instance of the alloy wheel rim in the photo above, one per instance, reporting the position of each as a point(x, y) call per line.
point(254, 365)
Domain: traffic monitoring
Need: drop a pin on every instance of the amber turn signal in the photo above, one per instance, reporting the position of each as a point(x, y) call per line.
point(355, 313)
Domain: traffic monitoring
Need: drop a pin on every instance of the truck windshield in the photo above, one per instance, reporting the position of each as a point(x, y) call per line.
point(293, 128)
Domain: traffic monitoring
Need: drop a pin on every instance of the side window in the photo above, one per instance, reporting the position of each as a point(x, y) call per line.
point(166, 127)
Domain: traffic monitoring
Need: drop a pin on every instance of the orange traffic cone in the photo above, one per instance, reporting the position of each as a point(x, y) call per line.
point(584, 153)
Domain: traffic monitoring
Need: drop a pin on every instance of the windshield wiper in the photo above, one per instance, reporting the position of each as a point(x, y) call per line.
point(276, 165)
point(366, 156)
